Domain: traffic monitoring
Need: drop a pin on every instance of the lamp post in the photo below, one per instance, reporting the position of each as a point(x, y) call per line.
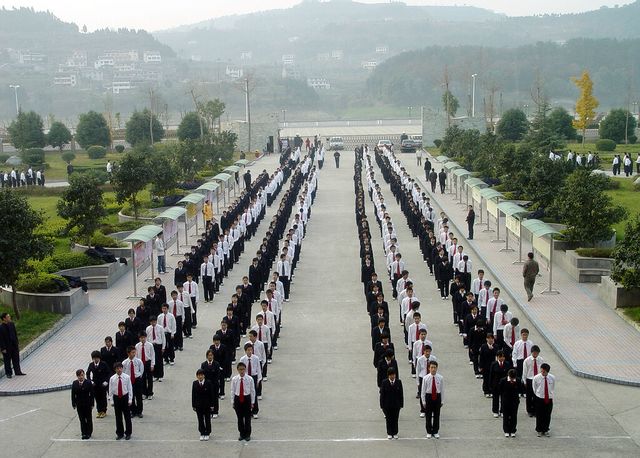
point(15, 90)
point(473, 95)
point(410, 111)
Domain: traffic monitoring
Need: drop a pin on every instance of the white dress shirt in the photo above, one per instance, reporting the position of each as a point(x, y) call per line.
point(519, 348)
point(176, 307)
point(258, 350)
point(264, 333)
point(497, 320)
point(417, 348)
point(127, 389)
point(426, 387)
point(159, 334)
point(169, 320)
point(538, 385)
point(191, 288)
point(528, 367)
point(138, 367)
point(248, 385)
point(422, 366)
point(149, 352)
point(256, 367)
point(510, 331)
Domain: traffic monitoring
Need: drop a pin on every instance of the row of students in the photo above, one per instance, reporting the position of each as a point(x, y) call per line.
point(480, 314)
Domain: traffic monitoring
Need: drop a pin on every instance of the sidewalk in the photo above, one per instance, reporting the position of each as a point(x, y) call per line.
point(52, 366)
point(588, 335)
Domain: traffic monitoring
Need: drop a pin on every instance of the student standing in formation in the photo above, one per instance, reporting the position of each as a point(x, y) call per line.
point(244, 396)
point(531, 368)
point(191, 289)
point(391, 401)
point(121, 397)
point(202, 396)
point(134, 368)
point(510, 388)
point(168, 323)
point(82, 400)
point(432, 398)
point(98, 374)
point(146, 353)
point(213, 373)
point(544, 385)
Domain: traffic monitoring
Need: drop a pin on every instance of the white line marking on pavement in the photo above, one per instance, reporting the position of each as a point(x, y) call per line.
point(18, 415)
point(353, 439)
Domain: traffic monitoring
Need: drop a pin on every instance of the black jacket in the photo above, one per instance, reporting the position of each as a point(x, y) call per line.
point(8, 336)
point(81, 395)
point(98, 374)
point(202, 396)
point(383, 366)
point(391, 396)
point(213, 373)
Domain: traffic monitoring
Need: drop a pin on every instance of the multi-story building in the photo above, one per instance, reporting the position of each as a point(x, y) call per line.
point(77, 60)
point(318, 83)
point(234, 72)
point(69, 80)
point(118, 87)
point(123, 56)
point(152, 57)
point(288, 59)
point(104, 61)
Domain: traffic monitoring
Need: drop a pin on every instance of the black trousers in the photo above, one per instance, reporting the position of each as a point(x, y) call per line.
point(86, 423)
point(169, 353)
point(286, 284)
point(100, 393)
point(207, 281)
point(337, 162)
point(391, 417)
point(432, 411)
point(204, 421)
point(543, 415)
point(121, 409)
point(147, 380)
point(186, 327)
point(496, 406)
point(530, 403)
point(243, 412)
point(158, 369)
point(442, 186)
point(470, 226)
point(510, 417)
point(177, 339)
point(258, 386)
point(443, 285)
point(12, 357)
point(433, 187)
point(194, 307)
point(136, 406)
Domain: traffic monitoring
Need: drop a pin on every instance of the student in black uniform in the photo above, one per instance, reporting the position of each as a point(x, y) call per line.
point(213, 373)
point(98, 374)
point(202, 399)
point(391, 401)
point(82, 400)
point(509, 389)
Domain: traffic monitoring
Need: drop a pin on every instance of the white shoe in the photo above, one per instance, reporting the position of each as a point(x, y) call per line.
point(428, 436)
point(215, 415)
point(171, 363)
point(269, 361)
point(507, 435)
point(470, 363)
point(255, 417)
point(422, 414)
point(222, 397)
point(437, 436)
point(206, 438)
point(413, 375)
point(513, 434)
point(259, 398)
point(201, 438)
point(275, 347)
point(264, 379)
point(160, 379)
point(495, 415)
point(150, 398)
point(395, 437)
point(389, 437)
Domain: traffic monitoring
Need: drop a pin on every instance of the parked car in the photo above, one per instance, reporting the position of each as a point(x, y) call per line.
point(387, 143)
point(336, 143)
point(411, 144)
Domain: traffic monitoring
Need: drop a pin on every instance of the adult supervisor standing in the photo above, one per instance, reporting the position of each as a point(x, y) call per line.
point(336, 156)
point(9, 346)
point(530, 272)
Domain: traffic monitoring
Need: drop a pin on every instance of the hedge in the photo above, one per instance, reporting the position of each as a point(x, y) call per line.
point(99, 239)
point(68, 156)
point(33, 156)
point(41, 282)
point(73, 260)
point(604, 144)
point(595, 252)
point(96, 152)
point(119, 148)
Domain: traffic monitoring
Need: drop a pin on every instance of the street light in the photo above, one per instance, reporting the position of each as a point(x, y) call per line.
point(15, 89)
point(473, 96)
point(410, 111)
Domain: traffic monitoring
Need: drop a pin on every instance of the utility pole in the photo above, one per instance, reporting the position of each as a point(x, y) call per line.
point(197, 106)
point(473, 95)
point(151, 114)
point(247, 112)
point(15, 88)
point(447, 95)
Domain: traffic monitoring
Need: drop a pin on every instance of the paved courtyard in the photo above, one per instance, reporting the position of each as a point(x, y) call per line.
point(321, 398)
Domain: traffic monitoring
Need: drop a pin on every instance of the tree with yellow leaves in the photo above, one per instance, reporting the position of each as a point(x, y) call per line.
point(586, 104)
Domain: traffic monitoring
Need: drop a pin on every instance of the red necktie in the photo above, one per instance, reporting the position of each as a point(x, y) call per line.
point(422, 351)
point(525, 351)
point(175, 308)
point(241, 394)
point(409, 303)
point(270, 309)
point(504, 319)
point(259, 335)
point(546, 391)
point(398, 268)
point(153, 331)
point(417, 332)
point(249, 368)
point(434, 389)
point(120, 387)
point(133, 373)
point(513, 336)
point(144, 356)
point(266, 320)
point(465, 267)
point(189, 288)
point(165, 322)
point(535, 366)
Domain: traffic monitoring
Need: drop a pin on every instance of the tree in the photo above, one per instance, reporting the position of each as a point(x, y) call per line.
point(613, 126)
point(586, 104)
point(59, 135)
point(462, 144)
point(223, 145)
point(82, 205)
point(585, 208)
point(545, 180)
point(138, 128)
point(211, 111)
point(541, 136)
point(20, 241)
point(27, 131)
point(491, 146)
point(131, 177)
point(450, 103)
point(192, 127)
point(163, 173)
point(626, 256)
point(189, 157)
point(93, 130)
point(561, 124)
point(512, 125)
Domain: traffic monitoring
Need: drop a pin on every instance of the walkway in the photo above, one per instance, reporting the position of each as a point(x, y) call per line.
point(590, 337)
point(51, 367)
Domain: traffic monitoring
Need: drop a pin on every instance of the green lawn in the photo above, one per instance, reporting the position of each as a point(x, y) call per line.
point(31, 324)
point(628, 198)
point(606, 157)
point(57, 168)
point(633, 313)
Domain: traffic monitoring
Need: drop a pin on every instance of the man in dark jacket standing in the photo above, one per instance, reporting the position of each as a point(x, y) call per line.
point(471, 219)
point(427, 168)
point(82, 400)
point(391, 401)
point(442, 180)
point(9, 346)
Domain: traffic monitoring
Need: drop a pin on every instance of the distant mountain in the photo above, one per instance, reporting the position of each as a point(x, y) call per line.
point(24, 29)
point(313, 28)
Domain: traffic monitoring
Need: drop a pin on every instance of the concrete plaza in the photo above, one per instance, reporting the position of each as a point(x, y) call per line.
point(321, 398)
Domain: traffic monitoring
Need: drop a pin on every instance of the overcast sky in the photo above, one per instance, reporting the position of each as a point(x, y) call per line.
point(161, 14)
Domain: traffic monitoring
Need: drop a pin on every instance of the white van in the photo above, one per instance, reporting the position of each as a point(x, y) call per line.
point(336, 143)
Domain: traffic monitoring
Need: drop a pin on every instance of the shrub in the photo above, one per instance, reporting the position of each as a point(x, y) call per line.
point(33, 156)
point(41, 282)
point(100, 175)
point(604, 144)
point(99, 239)
point(68, 156)
point(73, 260)
point(119, 149)
point(46, 265)
point(3, 158)
point(437, 142)
point(121, 226)
point(595, 252)
point(96, 152)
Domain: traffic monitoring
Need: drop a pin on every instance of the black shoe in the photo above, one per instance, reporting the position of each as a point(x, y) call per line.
point(9, 376)
point(85, 437)
point(240, 438)
point(140, 415)
point(248, 438)
point(127, 437)
point(119, 438)
point(21, 373)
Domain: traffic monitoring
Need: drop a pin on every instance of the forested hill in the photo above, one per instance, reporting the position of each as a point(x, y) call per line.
point(28, 30)
point(416, 77)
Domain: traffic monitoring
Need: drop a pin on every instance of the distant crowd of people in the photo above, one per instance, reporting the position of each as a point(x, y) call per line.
point(20, 178)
